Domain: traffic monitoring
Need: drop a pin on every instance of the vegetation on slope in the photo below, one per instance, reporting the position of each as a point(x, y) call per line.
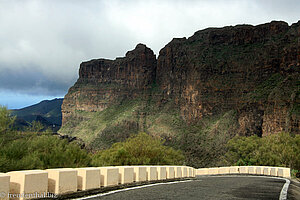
point(5, 120)
point(141, 149)
point(47, 112)
point(99, 130)
point(273, 150)
point(279, 88)
point(36, 150)
point(30, 149)
point(202, 144)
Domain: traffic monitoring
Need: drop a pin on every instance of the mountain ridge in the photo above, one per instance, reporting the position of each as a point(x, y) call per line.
point(204, 90)
point(47, 111)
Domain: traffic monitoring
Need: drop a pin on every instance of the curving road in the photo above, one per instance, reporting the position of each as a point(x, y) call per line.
point(210, 187)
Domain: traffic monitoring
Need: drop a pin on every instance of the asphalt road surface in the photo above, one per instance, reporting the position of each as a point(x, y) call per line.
point(210, 187)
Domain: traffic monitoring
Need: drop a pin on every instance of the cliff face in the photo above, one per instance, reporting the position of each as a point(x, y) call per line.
point(105, 82)
point(216, 70)
point(220, 82)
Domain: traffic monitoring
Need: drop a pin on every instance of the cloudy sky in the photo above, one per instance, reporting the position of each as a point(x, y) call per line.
point(42, 42)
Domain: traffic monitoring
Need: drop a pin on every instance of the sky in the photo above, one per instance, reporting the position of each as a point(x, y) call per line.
point(43, 42)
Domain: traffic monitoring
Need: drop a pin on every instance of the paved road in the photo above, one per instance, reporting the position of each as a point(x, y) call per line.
point(212, 187)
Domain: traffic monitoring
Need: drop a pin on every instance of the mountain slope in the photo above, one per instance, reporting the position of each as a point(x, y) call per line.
point(199, 93)
point(49, 110)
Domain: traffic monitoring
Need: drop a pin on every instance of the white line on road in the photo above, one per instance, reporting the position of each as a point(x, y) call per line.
point(132, 188)
point(283, 193)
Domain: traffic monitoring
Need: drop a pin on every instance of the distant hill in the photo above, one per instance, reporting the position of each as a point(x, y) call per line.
point(48, 112)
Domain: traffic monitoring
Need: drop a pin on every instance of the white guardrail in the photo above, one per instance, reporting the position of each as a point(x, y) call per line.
point(31, 184)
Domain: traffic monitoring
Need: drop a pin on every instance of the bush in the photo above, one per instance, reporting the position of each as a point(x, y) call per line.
point(141, 149)
point(274, 150)
point(41, 152)
point(27, 150)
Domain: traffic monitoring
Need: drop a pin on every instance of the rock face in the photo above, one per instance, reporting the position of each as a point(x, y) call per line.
point(253, 70)
point(219, 69)
point(105, 82)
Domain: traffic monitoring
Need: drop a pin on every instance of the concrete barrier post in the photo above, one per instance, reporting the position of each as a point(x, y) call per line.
point(193, 172)
point(88, 178)
point(260, 170)
point(62, 180)
point(140, 173)
point(178, 172)
point(161, 173)
point(223, 170)
point(244, 170)
point(234, 170)
point(202, 171)
point(28, 184)
point(151, 173)
point(4, 186)
point(126, 174)
point(251, 169)
point(184, 172)
point(267, 171)
point(109, 176)
point(284, 172)
point(274, 171)
point(189, 172)
point(170, 172)
point(213, 171)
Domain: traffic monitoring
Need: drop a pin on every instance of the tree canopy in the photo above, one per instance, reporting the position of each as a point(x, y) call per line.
point(140, 149)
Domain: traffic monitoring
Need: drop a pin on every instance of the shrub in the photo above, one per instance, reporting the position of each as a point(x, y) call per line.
point(55, 152)
point(26, 150)
point(274, 150)
point(41, 152)
point(6, 120)
point(140, 149)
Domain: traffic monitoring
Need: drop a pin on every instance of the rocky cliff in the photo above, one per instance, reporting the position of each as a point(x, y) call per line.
point(105, 82)
point(204, 89)
point(216, 70)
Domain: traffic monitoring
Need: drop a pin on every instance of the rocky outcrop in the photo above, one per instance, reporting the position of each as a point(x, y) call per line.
point(219, 69)
point(253, 70)
point(105, 82)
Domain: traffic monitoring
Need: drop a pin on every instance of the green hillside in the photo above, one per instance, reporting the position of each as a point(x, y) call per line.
point(48, 112)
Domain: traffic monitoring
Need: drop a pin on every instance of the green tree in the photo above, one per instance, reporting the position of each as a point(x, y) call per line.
point(36, 127)
point(280, 149)
point(54, 152)
point(41, 152)
point(6, 120)
point(26, 150)
point(243, 150)
point(140, 149)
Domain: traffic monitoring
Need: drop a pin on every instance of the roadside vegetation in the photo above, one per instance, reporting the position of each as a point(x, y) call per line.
point(32, 149)
point(140, 149)
point(280, 149)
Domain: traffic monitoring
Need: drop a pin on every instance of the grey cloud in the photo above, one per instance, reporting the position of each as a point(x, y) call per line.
point(31, 82)
point(43, 42)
